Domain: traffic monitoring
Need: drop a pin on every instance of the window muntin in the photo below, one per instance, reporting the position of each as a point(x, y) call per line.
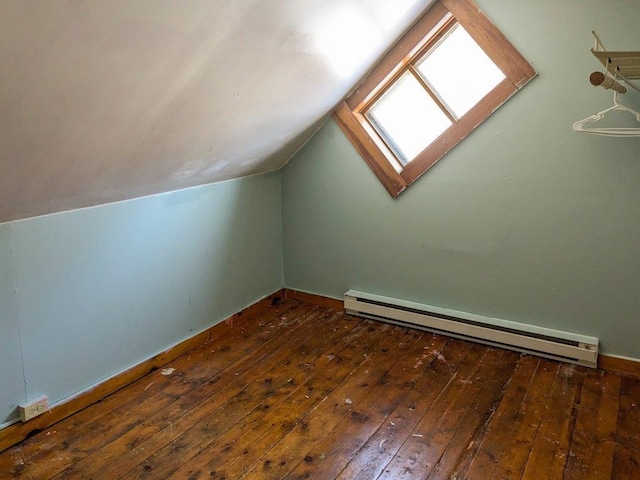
point(407, 118)
point(460, 71)
point(436, 89)
point(447, 22)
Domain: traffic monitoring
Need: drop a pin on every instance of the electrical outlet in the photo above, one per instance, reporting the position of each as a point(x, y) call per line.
point(33, 408)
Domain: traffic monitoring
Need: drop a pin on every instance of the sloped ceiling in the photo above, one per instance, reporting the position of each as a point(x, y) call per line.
point(109, 100)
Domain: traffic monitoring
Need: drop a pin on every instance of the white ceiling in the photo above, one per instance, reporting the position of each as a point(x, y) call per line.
point(107, 100)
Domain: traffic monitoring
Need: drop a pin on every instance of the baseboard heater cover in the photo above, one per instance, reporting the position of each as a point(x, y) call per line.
point(544, 342)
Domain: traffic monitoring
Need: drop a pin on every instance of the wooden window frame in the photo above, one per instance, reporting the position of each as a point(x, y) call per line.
point(412, 46)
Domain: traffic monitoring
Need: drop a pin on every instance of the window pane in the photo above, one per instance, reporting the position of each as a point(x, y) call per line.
point(460, 71)
point(408, 117)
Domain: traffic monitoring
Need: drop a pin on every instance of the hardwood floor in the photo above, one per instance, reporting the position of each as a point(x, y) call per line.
point(309, 392)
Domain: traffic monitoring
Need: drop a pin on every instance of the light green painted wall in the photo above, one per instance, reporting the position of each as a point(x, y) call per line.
point(525, 220)
point(91, 292)
point(12, 388)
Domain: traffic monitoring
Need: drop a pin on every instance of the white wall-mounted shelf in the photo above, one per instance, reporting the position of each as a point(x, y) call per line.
point(620, 69)
point(622, 66)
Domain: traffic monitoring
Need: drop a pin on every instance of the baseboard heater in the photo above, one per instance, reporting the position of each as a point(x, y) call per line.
point(544, 342)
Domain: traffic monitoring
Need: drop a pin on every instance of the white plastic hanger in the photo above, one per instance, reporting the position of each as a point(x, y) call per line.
point(579, 126)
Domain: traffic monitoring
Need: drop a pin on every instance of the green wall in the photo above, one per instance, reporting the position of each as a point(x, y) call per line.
point(525, 220)
point(88, 293)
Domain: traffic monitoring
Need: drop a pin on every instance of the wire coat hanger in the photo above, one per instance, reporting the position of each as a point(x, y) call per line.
point(580, 125)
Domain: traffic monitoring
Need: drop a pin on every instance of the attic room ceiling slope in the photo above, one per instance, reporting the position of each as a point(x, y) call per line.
point(104, 101)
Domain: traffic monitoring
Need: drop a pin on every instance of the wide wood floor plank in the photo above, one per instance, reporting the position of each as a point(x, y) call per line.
point(280, 459)
point(382, 446)
point(581, 444)
point(307, 387)
point(604, 438)
point(333, 451)
point(515, 455)
point(267, 399)
point(504, 422)
point(281, 421)
point(487, 392)
point(551, 447)
point(238, 358)
point(77, 436)
point(626, 464)
point(437, 449)
point(233, 390)
point(593, 443)
point(138, 391)
point(421, 449)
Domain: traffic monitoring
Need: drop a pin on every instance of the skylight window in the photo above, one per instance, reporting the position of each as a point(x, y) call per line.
point(407, 118)
point(459, 71)
point(443, 79)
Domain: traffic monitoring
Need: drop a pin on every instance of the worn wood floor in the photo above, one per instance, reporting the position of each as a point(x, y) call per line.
point(308, 392)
